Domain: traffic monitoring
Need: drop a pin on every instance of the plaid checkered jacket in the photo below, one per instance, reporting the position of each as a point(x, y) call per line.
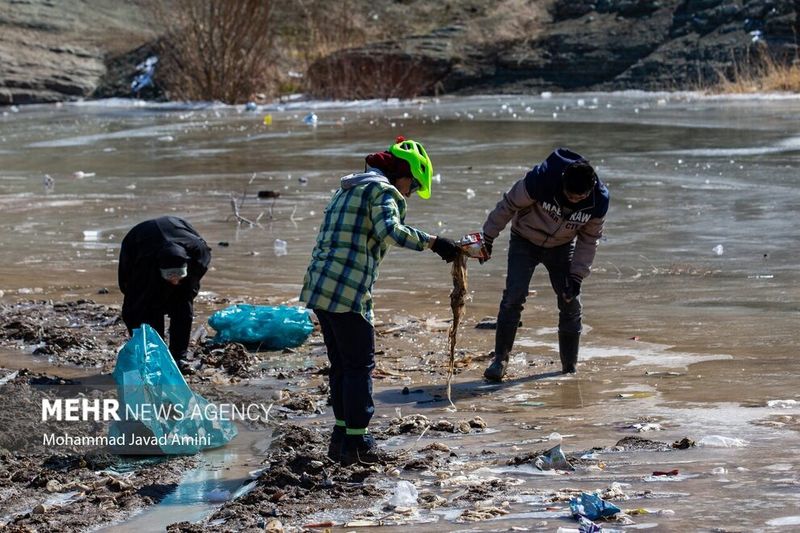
point(364, 217)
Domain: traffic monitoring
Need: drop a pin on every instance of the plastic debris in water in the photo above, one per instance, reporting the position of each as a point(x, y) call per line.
point(268, 120)
point(272, 328)
point(470, 194)
point(785, 404)
point(250, 106)
point(553, 459)
point(280, 248)
point(718, 250)
point(218, 496)
point(592, 507)
point(91, 235)
point(405, 495)
point(311, 119)
point(48, 182)
point(80, 174)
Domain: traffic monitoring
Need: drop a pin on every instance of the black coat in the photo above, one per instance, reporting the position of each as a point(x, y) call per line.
point(139, 273)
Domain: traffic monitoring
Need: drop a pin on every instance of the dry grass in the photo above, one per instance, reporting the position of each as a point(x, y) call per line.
point(760, 73)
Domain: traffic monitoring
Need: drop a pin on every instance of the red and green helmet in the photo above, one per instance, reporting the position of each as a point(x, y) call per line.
point(417, 158)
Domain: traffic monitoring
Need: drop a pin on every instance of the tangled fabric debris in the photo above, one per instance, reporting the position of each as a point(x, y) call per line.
point(457, 305)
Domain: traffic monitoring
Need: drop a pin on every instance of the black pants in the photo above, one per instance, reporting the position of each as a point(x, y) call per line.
point(180, 315)
point(523, 257)
point(350, 340)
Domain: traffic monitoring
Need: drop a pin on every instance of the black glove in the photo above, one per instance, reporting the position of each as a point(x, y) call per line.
point(447, 249)
point(487, 244)
point(572, 287)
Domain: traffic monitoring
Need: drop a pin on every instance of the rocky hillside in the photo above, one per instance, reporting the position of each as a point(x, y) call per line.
point(52, 50)
point(586, 45)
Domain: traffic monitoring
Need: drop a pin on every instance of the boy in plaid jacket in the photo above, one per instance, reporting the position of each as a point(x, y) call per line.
point(364, 217)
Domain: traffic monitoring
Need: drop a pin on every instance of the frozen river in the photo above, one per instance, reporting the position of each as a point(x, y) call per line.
point(696, 281)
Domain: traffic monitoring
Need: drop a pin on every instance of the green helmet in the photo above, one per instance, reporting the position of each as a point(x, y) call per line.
point(421, 167)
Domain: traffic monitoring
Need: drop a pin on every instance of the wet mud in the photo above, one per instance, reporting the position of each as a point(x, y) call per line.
point(491, 460)
point(68, 488)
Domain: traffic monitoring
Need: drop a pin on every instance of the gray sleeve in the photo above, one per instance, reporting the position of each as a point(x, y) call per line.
point(586, 246)
point(516, 199)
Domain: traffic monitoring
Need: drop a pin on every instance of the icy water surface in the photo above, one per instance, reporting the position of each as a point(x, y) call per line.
point(691, 312)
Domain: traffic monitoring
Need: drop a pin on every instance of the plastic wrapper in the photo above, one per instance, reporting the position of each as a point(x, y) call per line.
point(553, 459)
point(592, 507)
point(271, 328)
point(472, 244)
point(159, 413)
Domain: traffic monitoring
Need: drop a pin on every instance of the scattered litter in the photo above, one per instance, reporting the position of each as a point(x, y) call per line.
point(669, 473)
point(166, 138)
point(280, 248)
point(5, 379)
point(80, 174)
point(553, 459)
point(146, 69)
point(470, 194)
point(645, 427)
point(405, 495)
point(218, 496)
point(785, 404)
point(268, 120)
point(718, 250)
point(719, 471)
point(311, 119)
point(48, 182)
point(269, 194)
point(250, 106)
point(91, 235)
point(592, 507)
point(719, 441)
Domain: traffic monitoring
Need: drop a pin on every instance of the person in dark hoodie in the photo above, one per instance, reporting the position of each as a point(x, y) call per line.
point(362, 220)
point(557, 212)
point(161, 263)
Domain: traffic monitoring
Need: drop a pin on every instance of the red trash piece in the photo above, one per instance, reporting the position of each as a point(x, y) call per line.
point(670, 473)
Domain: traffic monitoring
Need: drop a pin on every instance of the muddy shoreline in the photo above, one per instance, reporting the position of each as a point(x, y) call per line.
point(480, 464)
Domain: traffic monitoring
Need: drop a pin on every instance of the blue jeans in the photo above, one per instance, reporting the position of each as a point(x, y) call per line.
point(523, 257)
point(350, 341)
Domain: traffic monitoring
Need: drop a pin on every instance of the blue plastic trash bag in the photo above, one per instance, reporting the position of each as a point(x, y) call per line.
point(272, 328)
point(159, 412)
point(592, 507)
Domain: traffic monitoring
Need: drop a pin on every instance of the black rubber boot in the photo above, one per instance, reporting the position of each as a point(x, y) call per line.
point(568, 350)
point(336, 443)
point(497, 369)
point(361, 449)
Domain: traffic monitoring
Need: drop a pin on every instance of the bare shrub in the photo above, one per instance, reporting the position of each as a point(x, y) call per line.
point(217, 49)
point(355, 75)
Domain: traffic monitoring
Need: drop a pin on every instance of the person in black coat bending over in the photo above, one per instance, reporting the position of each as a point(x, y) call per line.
point(161, 262)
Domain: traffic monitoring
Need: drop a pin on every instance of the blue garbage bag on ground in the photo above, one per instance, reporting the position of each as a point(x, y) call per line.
point(272, 328)
point(592, 506)
point(159, 413)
